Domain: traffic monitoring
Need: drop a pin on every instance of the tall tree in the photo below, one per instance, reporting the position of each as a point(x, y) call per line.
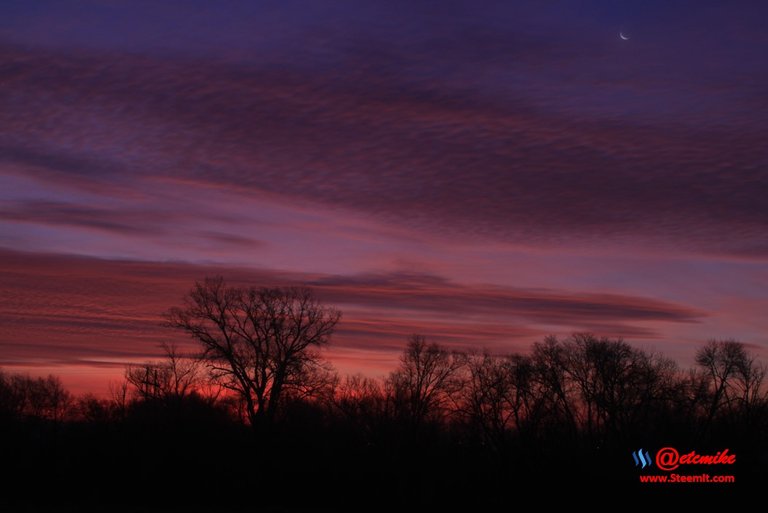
point(734, 377)
point(428, 375)
point(489, 398)
point(259, 342)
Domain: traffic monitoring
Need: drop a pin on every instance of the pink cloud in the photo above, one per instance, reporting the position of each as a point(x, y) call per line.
point(84, 312)
point(433, 157)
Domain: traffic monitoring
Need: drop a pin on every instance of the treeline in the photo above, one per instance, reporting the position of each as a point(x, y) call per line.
point(443, 422)
point(40, 399)
point(258, 418)
point(581, 387)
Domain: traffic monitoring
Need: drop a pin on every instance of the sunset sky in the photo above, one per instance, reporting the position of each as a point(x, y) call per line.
point(483, 173)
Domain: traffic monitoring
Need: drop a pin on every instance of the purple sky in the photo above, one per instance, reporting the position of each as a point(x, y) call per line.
point(482, 174)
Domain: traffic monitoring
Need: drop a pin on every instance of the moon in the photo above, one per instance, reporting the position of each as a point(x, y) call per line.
point(622, 36)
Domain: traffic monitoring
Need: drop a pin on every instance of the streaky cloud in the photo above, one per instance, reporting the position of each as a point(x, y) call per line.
point(432, 155)
point(58, 308)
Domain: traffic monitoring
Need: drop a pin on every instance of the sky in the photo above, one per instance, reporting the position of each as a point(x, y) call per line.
point(484, 174)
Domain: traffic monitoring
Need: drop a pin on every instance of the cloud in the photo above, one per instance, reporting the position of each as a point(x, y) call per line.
point(74, 310)
point(231, 241)
point(360, 138)
point(62, 162)
point(423, 292)
point(428, 154)
point(130, 222)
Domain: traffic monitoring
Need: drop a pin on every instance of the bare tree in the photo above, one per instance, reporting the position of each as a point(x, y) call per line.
point(47, 398)
point(488, 397)
point(13, 395)
point(362, 401)
point(749, 383)
point(733, 375)
point(94, 410)
point(258, 342)
point(118, 393)
point(25, 396)
point(176, 377)
point(550, 360)
point(423, 385)
point(618, 385)
point(149, 381)
point(503, 395)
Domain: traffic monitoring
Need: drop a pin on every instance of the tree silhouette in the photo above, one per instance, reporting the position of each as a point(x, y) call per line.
point(733, 377)
point(13, 395)
point(258, 342)
point(618, 385)
point(362, 401)
point(423, 384)
point(489, 398)
point(174, 378)
point(556, 391)
point(22, 396)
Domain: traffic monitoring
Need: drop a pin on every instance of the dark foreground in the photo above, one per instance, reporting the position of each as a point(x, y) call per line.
point(195, 459)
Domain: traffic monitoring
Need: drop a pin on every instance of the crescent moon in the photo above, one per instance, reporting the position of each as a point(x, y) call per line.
point(622, 36)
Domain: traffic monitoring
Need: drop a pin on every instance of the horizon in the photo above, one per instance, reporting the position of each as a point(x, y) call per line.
point(483, 176)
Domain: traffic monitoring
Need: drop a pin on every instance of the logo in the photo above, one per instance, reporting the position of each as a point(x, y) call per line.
point(669, 459)
point(642, 458)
